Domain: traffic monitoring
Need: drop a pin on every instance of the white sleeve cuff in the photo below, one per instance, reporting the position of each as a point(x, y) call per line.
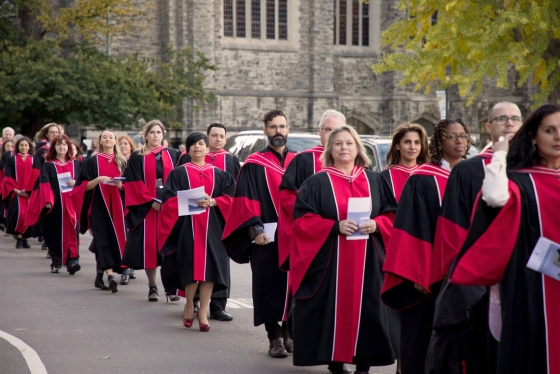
point(495, 186)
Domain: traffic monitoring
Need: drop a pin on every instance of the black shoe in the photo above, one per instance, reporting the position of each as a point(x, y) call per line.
point(25, 244)
point(55, 269)
point(99, 282)
point(112, 283)
point(18, 243)
point(153, 294)
point(132, 274)
point(221, 315)
point(196, 306)
point(171, 297)
point(288, 342)
point(125, 277)
point(48, 255)
point(276, 349)
point(40, 239)
point(339, 368)
point(72, 269)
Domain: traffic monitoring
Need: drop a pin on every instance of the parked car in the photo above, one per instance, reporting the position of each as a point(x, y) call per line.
point(243, 143)
point(376, 150)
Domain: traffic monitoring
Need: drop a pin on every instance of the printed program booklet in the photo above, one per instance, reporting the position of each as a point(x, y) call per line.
point(546, 258)
point(359, 210)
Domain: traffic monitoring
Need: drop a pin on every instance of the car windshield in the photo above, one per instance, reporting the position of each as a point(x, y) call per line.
point(301, 144)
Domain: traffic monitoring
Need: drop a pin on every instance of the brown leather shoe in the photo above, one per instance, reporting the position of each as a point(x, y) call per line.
point(276, 349)
point(288, 343)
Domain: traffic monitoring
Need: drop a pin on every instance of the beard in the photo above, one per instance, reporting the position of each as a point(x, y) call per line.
point(278, 140)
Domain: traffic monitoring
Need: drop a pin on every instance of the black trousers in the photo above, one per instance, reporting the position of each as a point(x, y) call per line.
point(218, 304)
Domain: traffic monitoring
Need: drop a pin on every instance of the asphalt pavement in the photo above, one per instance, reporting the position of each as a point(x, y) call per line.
point(61, 324)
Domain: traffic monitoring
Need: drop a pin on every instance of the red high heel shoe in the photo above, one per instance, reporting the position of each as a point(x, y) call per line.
point(187, 322)
point(202, 326)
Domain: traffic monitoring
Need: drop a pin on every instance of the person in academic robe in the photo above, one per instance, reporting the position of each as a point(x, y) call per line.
point(126, 146)
point(460, 337)
point(225, 161)
point(515, 211)
point(7, 152)
point(56, 202)
point(103, 208)
point(254, 209)
point(406, 286)
point(302, 167)
point(146, 173)
point(17, 170)
point(191, 244)
point(338, 315)
point(408, 150)
point(43, 141)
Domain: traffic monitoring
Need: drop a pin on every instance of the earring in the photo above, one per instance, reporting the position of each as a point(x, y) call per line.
point(533, 148)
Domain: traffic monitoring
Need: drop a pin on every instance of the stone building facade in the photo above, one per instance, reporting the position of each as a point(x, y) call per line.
point(301, 56)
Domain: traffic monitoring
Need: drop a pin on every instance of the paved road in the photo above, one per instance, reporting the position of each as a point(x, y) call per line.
point(75, 328)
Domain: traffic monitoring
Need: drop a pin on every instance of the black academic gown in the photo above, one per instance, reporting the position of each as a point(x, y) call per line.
point(338, 315)
point(38, 161)
point(16, 173)
point(191, 245)
point(59, 224)
point(256, 202)
point(103, 213)
point(460, 337)
point(227, 162)
point(497, 249)
point(142, 173)
point(408, 261)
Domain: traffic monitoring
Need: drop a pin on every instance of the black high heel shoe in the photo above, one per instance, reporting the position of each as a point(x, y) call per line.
point(171, 297)
point(153, 290)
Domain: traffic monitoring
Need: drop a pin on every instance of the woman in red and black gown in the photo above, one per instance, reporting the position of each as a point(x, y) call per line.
point(408, 150)
point(146, 173)
point(406, 285)
point(7, 152)
point(514, 211)
point(336, 281)
point(126, 146)
point(56, 202)
point(103, 208)
point(192, 244)
point(16, 172)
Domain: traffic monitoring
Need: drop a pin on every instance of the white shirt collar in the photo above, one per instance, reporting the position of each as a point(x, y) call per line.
point(444, 164)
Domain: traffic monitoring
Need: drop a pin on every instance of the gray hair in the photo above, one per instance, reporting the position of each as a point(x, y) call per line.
point(331, 113)
point(5, 129)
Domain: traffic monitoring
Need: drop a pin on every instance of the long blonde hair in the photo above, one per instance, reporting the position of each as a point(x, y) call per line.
point(119, 158)
point(146, 131)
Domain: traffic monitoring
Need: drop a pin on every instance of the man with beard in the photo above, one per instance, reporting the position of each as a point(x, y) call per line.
point(461, 340)
point(250, 231)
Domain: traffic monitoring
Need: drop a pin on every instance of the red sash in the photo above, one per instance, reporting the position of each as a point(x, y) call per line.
point(218, 159)
point(22, 174)
point(273, 171)
point(399, 175)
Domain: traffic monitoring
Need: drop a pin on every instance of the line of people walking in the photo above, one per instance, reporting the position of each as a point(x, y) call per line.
point(424, 263)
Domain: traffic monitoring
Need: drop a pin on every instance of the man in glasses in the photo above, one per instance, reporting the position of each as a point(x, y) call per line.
point(250, 231)
point(456, 303)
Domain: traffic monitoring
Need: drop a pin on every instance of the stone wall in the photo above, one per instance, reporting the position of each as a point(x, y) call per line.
point(303, 76)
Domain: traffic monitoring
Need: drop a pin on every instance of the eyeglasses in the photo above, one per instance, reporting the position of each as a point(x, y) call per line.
point(276, 128)
point(53, 132)
point(502, 120)
point(454, 137)
point(326, 130)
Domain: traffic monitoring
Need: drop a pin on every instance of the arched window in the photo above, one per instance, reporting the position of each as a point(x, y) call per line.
point(360, 127)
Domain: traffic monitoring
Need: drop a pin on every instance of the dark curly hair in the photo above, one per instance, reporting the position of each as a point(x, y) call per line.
point(439, 134)
point(269, 116)
point(522, 153)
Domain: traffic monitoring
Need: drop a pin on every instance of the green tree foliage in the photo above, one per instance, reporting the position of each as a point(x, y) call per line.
point(47, 76)
point(473, 40)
